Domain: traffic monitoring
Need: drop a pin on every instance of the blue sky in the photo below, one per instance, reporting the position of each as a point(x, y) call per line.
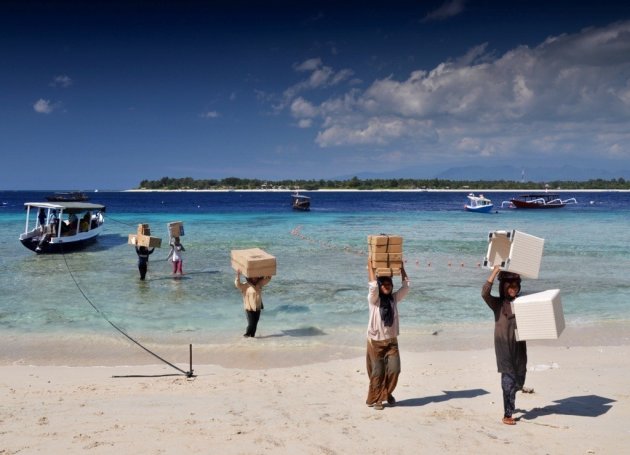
point(103, 94)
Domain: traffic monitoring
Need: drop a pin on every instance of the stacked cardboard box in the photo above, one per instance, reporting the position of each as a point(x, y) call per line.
point(144, 229)
point(539, 316)
point(143, 238)
point(176, 229)
point(385, 252)
point(253, 262)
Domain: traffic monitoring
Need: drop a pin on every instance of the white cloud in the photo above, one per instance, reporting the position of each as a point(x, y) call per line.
point(320, 77)
point(61, 81)
point(448, 9)
point(302, 108)
point(568, 95)
point(210, 114)
point(43, 106)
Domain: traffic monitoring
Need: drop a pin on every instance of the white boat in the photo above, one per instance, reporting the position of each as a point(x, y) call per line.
point(60, 227)
point(479, 204)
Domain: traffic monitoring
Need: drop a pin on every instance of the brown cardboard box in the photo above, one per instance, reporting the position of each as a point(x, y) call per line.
point(387, 271)
point(176, 229)
point(380, 240)
point(253, 262)
point(143, 229)
point(385, 252)
point(144, 240)
point(385, 248)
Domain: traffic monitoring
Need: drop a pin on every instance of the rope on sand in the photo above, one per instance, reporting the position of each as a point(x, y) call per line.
point(188, 374)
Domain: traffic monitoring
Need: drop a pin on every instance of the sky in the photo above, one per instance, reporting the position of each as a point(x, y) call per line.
point(104, 94)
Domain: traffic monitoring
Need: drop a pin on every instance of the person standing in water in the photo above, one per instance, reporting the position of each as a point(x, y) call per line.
point(176, 256)
point(143, 260)
point(251, 291)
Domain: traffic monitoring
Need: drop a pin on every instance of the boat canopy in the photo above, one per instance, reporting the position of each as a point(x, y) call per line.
point(67, 207)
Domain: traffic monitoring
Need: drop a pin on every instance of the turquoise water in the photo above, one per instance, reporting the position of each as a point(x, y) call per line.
point(321, 281)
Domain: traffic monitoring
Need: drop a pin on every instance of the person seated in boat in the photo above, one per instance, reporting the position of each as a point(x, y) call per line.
point(70, 226)
point(84, 225)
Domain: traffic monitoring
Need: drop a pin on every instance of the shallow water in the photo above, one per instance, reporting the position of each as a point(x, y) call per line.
point(321, 284)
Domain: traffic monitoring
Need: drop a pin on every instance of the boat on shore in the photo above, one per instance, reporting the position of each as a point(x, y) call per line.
point(538, 201)
point(70, 196)
point(300, 202)
point(479, 204)
point(61, 227)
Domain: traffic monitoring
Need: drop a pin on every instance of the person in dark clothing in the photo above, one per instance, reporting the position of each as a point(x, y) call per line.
point(511, 354)
point(143, 260)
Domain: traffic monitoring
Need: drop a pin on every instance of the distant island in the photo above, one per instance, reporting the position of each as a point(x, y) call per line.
point(235, 183)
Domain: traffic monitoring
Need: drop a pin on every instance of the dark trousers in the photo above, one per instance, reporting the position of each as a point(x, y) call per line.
point(252, 322)
point(510, 385)
point(383, 368)
point(142, 268)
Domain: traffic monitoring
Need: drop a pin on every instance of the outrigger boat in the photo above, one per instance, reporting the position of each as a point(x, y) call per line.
point(480, 204)
point(46, 230)
point(538, 201)
point(300, 202)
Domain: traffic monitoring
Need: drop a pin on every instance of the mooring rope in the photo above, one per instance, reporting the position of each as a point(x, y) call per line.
point(129, 337)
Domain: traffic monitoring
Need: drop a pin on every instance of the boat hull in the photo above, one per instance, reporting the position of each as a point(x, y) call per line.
point(480, 209)
point(59, 247)
point(534, 205)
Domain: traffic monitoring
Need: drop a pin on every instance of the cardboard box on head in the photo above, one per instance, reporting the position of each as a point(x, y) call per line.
point(253, 262)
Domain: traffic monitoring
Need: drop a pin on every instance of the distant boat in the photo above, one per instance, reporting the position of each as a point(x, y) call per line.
point(480, 204)
point(300, 202)
point(70, 196)
point(538, 201)
point(46, 231)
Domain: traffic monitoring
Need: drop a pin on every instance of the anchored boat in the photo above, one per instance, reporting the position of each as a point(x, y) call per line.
point(300, 202)
point(60, 227)
point(480, 204)
point(538, 201)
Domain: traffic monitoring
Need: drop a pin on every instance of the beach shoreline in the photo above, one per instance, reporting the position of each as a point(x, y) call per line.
point(271, 349)
point(447, 402)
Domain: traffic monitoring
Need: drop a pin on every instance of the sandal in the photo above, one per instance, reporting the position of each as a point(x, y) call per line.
point(509, 421)
point(527, 390)
point(378, 406)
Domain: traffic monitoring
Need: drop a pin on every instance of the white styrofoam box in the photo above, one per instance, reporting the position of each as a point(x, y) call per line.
point(515, 252)
point(539, 316)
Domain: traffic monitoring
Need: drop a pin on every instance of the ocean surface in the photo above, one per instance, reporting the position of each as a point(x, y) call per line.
point(321, 285)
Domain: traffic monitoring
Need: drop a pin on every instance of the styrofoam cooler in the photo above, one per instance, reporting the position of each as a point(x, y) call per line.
point(515, 251)
point(539, 316)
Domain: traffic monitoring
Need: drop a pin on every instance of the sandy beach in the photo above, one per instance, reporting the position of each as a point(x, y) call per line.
point(449, 401)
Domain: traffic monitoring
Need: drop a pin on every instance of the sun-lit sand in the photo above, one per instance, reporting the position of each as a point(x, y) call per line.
point(449, 401)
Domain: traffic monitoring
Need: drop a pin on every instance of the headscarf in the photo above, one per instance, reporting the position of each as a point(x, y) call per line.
point(385, 307)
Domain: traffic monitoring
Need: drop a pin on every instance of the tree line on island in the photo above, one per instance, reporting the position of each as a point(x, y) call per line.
point(235, 183)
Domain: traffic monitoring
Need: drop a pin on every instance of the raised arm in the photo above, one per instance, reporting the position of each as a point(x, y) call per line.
point(495, 271)
point(371, 274)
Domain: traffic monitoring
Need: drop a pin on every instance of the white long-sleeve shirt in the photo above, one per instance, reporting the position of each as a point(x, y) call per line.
point(376, 330)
